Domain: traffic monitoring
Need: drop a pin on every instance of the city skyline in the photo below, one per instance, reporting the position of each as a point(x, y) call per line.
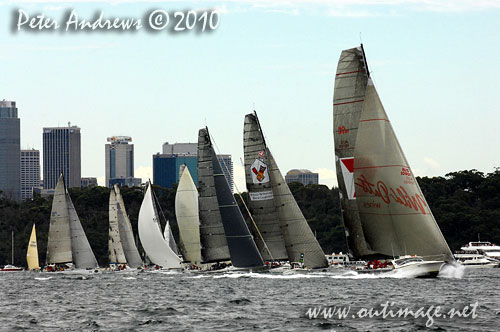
point(160, 87)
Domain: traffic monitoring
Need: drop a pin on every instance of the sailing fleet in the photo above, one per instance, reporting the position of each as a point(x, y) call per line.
point(386, 217)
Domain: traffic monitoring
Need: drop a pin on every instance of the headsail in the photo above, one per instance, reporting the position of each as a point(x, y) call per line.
point(83, 256)
point(298, 237)
point(169, 238)
point(116, 254)
point(212, 237)
point(242, 248)
point(151, 236)
point(186, 211)
point(389, 206)
point(32, 253)
point(126, 233)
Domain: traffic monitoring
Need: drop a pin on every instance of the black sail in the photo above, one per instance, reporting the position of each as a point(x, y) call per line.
point(242, 248)
point(212, 237)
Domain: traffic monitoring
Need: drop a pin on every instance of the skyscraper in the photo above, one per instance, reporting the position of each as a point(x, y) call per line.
point(227, 168)
point(61, 153)
point(10, 145)
point(120, 161)
point(30, 172)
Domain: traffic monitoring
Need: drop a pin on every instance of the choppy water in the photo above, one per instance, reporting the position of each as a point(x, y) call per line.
point(239, 302)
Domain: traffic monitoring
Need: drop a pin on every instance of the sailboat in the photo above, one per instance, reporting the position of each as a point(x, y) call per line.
point(384, 211)
point(122, 248)
point(273, 207)
point(11, 267)
point(214, 189)
point(188, 218)
point(32, 252)
point(67, 245)
point(150, 233)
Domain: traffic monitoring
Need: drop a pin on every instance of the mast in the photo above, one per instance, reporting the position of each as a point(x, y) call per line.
point(12, 243)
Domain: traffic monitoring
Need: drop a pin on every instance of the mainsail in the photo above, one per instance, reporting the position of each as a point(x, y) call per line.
point(151, 236)
point(32, 253)
point(212, 237)
point(259, 186)
point(384, 210)
point(273, 202)
point(242, 248)
point(59, 240)
point(186, 211)
point(126, 233)
point(116, 254)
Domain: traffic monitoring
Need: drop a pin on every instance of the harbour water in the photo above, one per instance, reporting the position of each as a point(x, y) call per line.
point(244, 302)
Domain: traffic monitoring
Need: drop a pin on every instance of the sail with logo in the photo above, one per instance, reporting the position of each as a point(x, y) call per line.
point(272, 205)
point(384, 211)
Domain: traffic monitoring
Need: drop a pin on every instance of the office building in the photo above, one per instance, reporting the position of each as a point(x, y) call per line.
point(166, 166)
point(30, 172)
point(61, 154)
point(180, 148)
point(227, 168)
point(119, 155)
point(303, 176)
point(88, 182)
point(10, 151)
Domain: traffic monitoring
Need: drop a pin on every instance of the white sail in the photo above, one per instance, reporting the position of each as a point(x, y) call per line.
point(188, 220)
point(59, 240)
point(126, 233)
point(169, 238)
point(151, 236)
point(83, 256)
point(116, 250)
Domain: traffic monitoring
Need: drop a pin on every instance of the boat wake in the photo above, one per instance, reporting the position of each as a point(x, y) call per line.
point(40, 278)
point(452, 271)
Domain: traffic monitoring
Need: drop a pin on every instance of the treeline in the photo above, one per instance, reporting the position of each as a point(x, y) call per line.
point(465, 204)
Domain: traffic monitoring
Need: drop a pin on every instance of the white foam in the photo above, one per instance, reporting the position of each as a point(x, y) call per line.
point(452, 271)
point(40, 278)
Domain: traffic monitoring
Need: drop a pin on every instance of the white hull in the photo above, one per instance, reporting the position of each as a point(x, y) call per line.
point(425, 269)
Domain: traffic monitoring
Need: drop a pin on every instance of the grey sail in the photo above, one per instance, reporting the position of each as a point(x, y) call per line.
point(393, 214)
point(83, 257)
point(59, 240)
point(117, 256)
point(259, 186)
point(349, 94)
point(126, 233)
point(299, 239)
point(212, 237)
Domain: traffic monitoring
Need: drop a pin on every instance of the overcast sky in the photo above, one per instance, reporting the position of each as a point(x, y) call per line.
point(436, 68)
